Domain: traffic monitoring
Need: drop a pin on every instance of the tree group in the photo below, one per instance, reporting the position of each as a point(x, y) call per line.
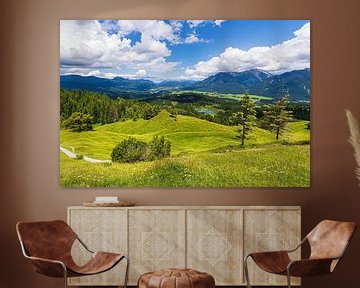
point(102, 108)
point(79, 110)
point(275, 117)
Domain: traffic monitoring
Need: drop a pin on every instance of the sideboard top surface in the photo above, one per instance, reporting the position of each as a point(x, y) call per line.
point(193, 207)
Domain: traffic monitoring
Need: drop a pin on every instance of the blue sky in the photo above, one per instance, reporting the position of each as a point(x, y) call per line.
point(173, 49)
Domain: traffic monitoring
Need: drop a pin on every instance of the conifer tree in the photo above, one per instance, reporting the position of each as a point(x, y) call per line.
point(277, 116)
point(245, 118)
point(79, 122)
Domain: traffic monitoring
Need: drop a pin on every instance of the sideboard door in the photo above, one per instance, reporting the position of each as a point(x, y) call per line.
point(270, 230)
point(156, 240)
point(214, 244)
point(101, 230)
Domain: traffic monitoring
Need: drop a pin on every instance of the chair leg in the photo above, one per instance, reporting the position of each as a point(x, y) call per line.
point(65, 276)
point(127, 271)
point(246, 270)
point(288, 278)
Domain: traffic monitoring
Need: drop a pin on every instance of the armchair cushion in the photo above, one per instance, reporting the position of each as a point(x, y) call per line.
point(310, 267)
point(272, 262)
point(99, 262)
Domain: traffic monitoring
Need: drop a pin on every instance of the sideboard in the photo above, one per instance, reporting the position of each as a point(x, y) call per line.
point(212, 239)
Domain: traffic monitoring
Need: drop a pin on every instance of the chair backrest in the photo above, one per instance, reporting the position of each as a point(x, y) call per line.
point(329, 239)
point(46, 239)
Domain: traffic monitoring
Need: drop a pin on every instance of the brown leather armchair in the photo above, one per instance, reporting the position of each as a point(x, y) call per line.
point(328, 242)
point(48, 245)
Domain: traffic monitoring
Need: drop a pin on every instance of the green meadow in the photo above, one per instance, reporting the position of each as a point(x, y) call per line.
point(222, 95)
point(203, 154)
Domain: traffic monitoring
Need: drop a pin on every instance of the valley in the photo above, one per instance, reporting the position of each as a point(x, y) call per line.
point(197, 118)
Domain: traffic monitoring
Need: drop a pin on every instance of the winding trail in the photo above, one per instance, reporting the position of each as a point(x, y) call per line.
point(71, 154)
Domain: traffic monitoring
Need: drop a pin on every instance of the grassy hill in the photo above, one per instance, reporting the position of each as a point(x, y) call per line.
point(187, 135)
point(203, 154)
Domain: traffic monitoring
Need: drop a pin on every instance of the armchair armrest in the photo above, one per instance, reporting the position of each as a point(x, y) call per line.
point(83, 244)
point(298, 246)
point(279, 252)
point(314, 266)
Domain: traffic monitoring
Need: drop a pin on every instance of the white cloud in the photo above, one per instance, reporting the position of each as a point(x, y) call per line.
point(89, 44)
point(154, 29)
point(193, 38)
point(85, 43)
point(177, 25)
point(141, 73)
point(111, 26)
point(219, 22)
point(87, 72)
point(290, 55)
point(194, 23)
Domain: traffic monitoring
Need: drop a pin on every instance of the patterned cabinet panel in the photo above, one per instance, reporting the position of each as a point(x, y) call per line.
point(156, 240)
point(269, 230)
point(214, 244)
point(101, 230)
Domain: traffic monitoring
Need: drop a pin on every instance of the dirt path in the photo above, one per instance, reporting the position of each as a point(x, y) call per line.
point(86, 158)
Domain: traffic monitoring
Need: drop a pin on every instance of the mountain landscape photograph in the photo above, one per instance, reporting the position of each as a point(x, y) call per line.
point(185, 103)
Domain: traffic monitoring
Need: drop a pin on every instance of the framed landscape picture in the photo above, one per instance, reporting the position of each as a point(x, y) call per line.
point(185, 103)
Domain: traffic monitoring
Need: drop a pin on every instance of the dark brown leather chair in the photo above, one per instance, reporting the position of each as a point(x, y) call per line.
point(48, 245)
point(328, 242)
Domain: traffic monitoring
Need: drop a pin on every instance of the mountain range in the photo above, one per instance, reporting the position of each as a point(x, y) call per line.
point(254, 81)
point(110, 87)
